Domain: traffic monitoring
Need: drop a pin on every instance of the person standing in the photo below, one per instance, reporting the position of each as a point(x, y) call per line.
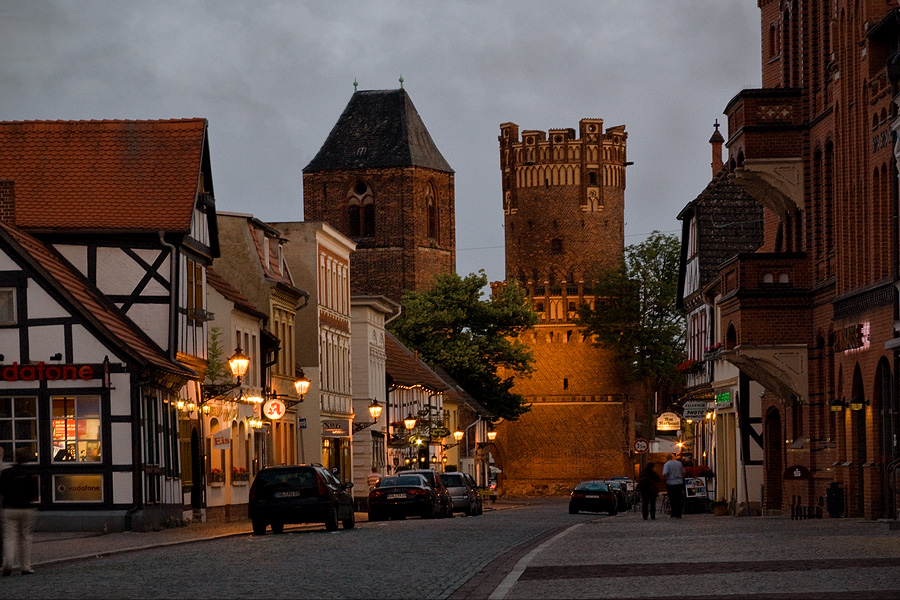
point(20, 491)
point(648, 487)
point(373, 478)
point(673, 476)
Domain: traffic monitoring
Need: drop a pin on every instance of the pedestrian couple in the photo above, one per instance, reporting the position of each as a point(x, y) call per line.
point(19, 490)
point(648, 486)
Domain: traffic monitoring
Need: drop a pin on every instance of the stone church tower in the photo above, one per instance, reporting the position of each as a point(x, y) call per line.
point(380, 180)
point(563, 205)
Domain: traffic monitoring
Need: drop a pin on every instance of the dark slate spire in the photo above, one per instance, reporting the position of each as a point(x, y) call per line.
point(378, 129)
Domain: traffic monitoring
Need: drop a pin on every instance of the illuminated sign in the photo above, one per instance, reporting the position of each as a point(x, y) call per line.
point(78, 488)
point(723, 398)
point(336, 428)
point(668, 421)
point(274, 409)
point(853, 337)
point(42, 372)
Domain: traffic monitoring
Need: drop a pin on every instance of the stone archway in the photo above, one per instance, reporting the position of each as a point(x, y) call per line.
point(774, 461)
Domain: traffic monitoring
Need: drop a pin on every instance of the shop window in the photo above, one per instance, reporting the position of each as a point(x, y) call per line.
point(7, 307)
point(18, 425)
point(76, 428)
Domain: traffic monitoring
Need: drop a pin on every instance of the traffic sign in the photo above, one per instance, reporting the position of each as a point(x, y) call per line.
point(641, 445)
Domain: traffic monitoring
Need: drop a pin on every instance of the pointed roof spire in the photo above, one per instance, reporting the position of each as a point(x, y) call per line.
point(716, 141)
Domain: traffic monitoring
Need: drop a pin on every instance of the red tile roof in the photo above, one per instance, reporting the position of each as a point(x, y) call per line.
point(103, 175)
point(232, 294)
point(109, 320)
point(406, 369)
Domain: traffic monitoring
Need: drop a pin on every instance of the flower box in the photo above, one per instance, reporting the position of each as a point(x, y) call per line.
point(239, 482)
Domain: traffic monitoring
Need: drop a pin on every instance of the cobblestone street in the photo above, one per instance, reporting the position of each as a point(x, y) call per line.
point(527, 549)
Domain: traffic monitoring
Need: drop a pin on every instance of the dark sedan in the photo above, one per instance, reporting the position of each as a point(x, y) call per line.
point(593, 496)
point(401, 496)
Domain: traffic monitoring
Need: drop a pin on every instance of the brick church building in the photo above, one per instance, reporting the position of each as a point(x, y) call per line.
point(380, 180)
point(563, 205)
point(812, 314)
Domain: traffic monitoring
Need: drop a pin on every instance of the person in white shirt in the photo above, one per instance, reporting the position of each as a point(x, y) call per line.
point(673, 476)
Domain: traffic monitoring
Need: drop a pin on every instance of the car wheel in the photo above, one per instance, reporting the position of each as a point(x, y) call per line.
point(277, 527)
point(350, 522)
point(573, 510)
point(469, 511)
point(259, 527)
point(331, 519)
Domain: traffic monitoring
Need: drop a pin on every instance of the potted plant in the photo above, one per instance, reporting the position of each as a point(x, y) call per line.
point(720, 508)
point(239, 476)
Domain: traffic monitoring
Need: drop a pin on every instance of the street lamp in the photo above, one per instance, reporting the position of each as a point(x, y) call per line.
point(458, 435)
point(238, 363)
point(491, 435)
point(409, 422)
point(374, 411)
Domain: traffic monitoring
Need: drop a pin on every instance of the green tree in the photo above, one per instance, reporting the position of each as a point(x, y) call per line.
point(217, 372)
point(474, 339)
point(635, 314)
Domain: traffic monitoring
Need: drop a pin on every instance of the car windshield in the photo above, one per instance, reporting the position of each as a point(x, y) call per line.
point(288, 478)
point(401, 480)
point(453, 480)
point(592, 486)
point(429, 477)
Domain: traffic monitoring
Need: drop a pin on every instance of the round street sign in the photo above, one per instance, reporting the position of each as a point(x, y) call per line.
point(641, 445)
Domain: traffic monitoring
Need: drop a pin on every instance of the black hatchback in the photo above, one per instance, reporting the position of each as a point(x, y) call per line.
point(299, 494)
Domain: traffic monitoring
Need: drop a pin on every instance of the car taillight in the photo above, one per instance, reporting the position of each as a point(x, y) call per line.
point(577, 494)
point(418, 492)
point(323, 490)
point(377, 493)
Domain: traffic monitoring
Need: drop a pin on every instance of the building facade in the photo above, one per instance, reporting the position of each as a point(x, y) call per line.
point(810, 315)
point(563, 206)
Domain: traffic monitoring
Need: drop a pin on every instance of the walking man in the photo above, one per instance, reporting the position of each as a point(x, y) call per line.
point(673, 476)
point(20, 490)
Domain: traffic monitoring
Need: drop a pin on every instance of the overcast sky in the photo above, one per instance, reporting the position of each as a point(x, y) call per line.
point(273, 77)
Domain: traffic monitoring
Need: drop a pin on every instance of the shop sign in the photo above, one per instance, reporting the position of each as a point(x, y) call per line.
point(78, 488)
point(335, 428)
point(274, 409)
point(668, 421)
point(694, 409)
point(43, 372)
point(222, 439)
point(723, 400)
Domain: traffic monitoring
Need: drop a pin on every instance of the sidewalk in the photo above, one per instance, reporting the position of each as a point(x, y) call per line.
point(58, 547)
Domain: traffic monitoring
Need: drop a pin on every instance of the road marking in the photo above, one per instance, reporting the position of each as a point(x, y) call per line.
point(513, 576)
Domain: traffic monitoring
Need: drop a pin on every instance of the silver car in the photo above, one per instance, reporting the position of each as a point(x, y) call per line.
point(464, 495)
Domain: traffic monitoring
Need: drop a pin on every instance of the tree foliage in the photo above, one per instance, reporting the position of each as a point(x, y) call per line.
point(636, 314)
point(474, 339)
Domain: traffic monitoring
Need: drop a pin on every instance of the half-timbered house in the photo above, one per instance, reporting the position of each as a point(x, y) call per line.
point(129, 206)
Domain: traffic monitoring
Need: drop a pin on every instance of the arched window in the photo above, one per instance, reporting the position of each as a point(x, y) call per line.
point(360, 211)
point(431, 208)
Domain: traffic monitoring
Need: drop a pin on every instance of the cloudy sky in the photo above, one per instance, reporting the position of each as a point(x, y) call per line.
point(272, 78)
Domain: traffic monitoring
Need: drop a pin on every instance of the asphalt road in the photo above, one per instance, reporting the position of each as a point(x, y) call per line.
point(531, 549)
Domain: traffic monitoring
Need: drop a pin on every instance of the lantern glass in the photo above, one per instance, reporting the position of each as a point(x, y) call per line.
point(856, 403)
point(301, 385)
point(375, 410)
point(458, 435)
point(409, 422)
point(238, 363)
point(491, 435)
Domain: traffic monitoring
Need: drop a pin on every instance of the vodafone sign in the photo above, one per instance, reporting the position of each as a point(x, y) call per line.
point(42, 372)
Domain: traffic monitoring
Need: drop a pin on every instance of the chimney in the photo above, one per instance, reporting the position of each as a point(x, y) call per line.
point(716, 140)
point(7, 203)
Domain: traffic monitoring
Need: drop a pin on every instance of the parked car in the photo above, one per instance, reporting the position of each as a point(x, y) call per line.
point(403, 495)
point(630, 489)
point(618, 488)
point(435, 481)
point(464, 495)
point(299, 494)
point(593, 496)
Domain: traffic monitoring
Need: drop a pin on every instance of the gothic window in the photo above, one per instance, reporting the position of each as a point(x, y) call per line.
point(360, 211)
point(431, 207)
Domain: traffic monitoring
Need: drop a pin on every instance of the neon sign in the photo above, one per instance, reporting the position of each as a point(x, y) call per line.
point(42, 372)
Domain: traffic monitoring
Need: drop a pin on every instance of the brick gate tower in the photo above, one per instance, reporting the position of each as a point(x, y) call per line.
point(563, 205)
point(380, 180)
